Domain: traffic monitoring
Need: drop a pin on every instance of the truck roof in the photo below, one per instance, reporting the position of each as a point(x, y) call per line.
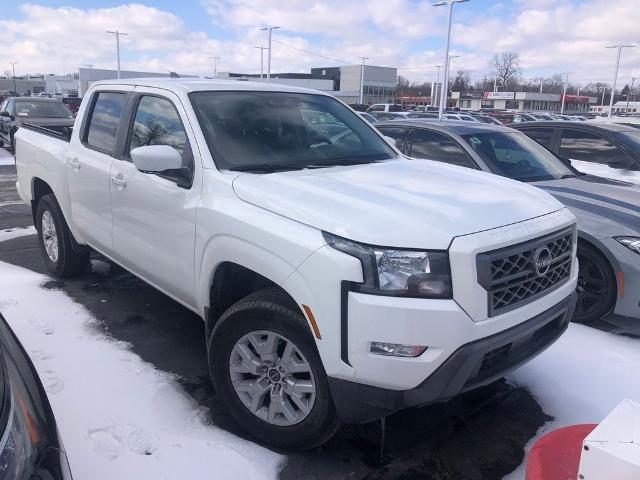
point(203, 84)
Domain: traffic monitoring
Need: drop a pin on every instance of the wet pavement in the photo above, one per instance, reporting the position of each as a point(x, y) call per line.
point(480, 435)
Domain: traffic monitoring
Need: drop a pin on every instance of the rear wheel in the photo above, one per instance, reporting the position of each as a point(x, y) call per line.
point(56, 243)
point(265, 366)
point(596, 285)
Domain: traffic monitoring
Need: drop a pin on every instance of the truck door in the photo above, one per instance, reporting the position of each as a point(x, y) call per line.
point(154, 215)
point(89, 167)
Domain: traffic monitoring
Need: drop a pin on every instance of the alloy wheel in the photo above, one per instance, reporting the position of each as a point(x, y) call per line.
point(50, 236)
point(272, 378)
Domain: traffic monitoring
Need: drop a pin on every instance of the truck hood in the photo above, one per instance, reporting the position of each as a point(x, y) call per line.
point(399, 203)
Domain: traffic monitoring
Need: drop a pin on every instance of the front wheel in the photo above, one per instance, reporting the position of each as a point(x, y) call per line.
point(596, 285)
point(266, 367)
point(56, 242)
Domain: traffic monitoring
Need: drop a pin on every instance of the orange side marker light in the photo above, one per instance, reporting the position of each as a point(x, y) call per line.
point(312, 321)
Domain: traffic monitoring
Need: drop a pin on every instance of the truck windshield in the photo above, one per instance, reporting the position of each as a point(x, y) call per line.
point(35, 109)
point(270, 131)
point(516, 156)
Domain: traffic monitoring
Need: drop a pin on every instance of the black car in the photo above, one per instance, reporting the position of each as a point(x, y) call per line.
point(41, 111)
point(30, 448)
point(608, 211)
point(599, 148)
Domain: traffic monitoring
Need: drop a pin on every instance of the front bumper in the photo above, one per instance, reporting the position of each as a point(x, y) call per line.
point(473, 365)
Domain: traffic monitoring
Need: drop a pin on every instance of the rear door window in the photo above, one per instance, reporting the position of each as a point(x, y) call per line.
point(106, 115)
point(397, 133)
point(541, 135)
point(438, 146)
point(589, 147)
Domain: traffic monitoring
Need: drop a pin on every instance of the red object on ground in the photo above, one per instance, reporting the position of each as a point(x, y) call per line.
point(556, 455)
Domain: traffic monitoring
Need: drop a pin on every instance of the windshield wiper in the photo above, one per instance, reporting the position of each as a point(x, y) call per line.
point(266, 167)
point(338, 163)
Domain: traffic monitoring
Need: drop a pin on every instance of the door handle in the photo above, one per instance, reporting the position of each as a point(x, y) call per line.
point(119, 181)
point(75, 163)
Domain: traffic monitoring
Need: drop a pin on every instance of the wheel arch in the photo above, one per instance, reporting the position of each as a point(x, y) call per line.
point(597, 245)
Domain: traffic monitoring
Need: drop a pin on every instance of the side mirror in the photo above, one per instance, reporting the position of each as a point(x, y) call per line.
point(156, 158)
point(390, 141)
point(5, 113)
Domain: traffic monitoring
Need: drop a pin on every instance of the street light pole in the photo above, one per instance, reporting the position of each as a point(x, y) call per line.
point(445, 80)
point(362, 79)
point(262, 49)
point(564, 92)
point(215, 65)
point(541, 83)
point(615, 75)
point(269, 29)
point(117, 34)
point(633, 80)
point(13, 75)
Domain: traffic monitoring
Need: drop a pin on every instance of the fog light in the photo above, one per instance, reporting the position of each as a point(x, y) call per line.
point(397, 349)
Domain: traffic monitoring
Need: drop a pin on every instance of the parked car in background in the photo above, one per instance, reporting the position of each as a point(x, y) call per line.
point(604, 149)
point(30, 446)
point(359, 107)
point(421, 115)
point(41, 111)
point(608, 211)
point(338, 280)
point(385, 107)
point(388, 115)
point(72, 103)
point(487, 119)
point(368, 117)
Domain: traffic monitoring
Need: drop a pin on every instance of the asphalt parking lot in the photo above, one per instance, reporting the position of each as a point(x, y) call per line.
point(477, 436)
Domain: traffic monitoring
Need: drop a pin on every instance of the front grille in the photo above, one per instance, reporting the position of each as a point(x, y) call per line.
point(516, 275)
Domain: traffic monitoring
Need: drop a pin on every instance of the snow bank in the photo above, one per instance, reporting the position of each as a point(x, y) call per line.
point(16, 232)
point(118, 416)
point(581, 378)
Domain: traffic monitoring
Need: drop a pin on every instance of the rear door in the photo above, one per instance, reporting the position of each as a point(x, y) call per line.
point(89, 166)
point(595, 154)
point(154, 219)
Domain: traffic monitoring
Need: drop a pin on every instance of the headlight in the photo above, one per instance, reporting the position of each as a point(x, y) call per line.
point(632, 243)
point(399, 272)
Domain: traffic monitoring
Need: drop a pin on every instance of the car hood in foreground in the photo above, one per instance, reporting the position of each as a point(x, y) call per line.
point(400, 203)
point(604, 207)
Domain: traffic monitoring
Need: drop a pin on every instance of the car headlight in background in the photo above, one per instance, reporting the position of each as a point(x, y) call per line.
point(632, 243)
point(399, 272)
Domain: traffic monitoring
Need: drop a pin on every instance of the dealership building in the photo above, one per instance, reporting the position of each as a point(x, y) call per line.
point(522, 101)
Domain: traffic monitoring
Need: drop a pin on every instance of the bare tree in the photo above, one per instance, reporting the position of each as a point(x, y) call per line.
point(461, 82)
point(506, 68)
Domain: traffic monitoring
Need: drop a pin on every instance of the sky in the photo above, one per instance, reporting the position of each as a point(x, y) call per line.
point(551, 36)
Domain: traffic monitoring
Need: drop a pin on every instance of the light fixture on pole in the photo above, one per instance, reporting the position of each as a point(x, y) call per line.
point(615, 75)
point(633, 81)
point(269, 29)
point(262, 49)
point(215, 65)
point(13, 74)
point(362, 79)
point(564, 91)
point(117, 34)
point(445, 81)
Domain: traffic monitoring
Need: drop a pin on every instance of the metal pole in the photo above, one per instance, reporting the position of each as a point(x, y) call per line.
point(564, 92)
point(495, 84)
point(13, 75)
point(117, 33)
point(615, 75)
point(362, 79)
point(633, 80)
point(215, 65)
point(445, 81)
point(269, 30)
point(541, 83)
point(436, 97)
point(262, 48)
point(604, 90)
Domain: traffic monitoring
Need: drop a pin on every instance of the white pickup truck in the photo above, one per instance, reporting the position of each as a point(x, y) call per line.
point(339, 281)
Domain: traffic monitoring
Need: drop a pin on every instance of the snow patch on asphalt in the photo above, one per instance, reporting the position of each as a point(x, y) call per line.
point(16, 232)
point(581, 378)
point(118, 416)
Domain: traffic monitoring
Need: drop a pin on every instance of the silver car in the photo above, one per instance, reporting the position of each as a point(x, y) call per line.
point(608, 211)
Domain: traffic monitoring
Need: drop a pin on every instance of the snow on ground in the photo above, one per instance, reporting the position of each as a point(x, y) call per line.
point(5, 157)
point(16, 232)
point(119, 417)
point(581, 378)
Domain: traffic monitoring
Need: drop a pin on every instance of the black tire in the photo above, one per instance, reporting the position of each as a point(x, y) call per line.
point(597, 285)
point(273, 311)
point(72, 258)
